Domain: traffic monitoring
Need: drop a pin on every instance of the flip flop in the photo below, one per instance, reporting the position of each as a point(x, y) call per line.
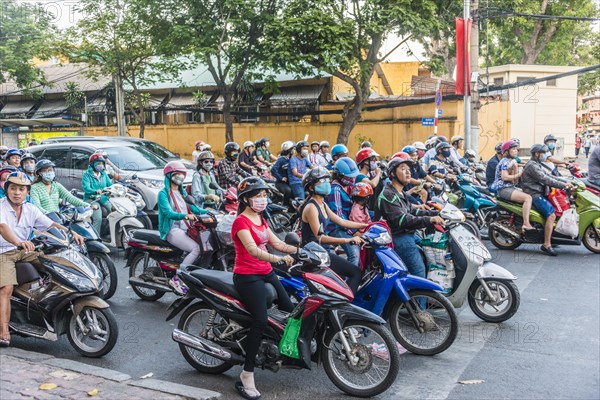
point(4, 342)
point(239, 386)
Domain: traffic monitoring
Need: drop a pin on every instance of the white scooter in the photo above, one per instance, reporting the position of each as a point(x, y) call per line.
point(118, 225)
point(492, 293)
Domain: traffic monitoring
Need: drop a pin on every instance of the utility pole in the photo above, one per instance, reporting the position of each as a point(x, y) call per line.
point(120, 106)
point(474, 142)
point(467, 79)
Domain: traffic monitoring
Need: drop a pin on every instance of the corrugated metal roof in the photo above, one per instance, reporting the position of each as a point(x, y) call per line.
point(296, 93)
point(51, 107)
point(97, 105)
point(17, 107)
point(181, 100)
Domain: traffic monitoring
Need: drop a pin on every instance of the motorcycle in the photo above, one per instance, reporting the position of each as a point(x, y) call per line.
point(505, 232)
point(576, 172)
point(358, 353)
point(61, 298)
point(152, 262)
point(476, 200)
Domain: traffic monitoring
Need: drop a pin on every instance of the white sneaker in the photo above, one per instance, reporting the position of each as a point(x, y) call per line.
point(178, 286)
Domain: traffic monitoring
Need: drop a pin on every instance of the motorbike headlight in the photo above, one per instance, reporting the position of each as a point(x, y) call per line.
point(383, 238)
point(153, 183)
point(85, 215)
point(81, 282)
point(324, 257)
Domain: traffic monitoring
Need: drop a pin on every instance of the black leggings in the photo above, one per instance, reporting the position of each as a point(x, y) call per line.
point(286, 190)
point(346, 270)
point(254, 296)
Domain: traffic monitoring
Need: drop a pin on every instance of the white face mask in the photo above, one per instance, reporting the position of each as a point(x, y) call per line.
point(177, 179)
point(258, 204)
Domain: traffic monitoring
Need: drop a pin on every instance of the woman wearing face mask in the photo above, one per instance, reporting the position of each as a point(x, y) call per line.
point(28, 165)
point(252, 271)
point(315, 213)
point(204, 176)
point(370, 173)
point(4, 172)
point(507, 176)
point(551, 161)
point(94, 180)
point(175, 216)
point(46, 193)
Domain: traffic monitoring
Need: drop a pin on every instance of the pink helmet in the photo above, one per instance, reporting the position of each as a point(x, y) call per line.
point(174, 166)
point(508, 145)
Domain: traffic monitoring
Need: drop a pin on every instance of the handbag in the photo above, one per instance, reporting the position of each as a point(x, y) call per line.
point(193, 230)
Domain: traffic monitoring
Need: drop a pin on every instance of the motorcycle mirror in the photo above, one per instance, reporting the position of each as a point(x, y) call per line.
point(213, 186)
point(292, 239)
point(190, 200)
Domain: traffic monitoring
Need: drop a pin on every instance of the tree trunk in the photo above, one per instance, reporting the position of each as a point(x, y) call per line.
point(227, 117)
point(142, 120)
point(350, 119)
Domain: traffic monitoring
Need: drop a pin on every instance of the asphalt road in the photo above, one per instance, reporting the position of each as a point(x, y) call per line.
point(548, 350)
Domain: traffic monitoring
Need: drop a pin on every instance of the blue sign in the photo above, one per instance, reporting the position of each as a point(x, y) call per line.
point(428, 121)
point(439, 113)
point(438, 98)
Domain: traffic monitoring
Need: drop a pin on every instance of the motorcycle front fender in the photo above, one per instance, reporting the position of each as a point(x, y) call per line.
point(96, 246)
point(177, 306)
point(88, 301)
point(339, 315)
point(131, 221)
point(408, 282)
point(491, 270)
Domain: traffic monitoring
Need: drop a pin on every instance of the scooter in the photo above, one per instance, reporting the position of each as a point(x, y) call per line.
point(576, 172)
point(358, 353)
point(478, 201)
point(61, 297)
point(506, 231)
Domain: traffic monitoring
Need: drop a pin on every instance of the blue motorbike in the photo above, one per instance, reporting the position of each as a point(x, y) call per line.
point(423, 321)
point(478, 201)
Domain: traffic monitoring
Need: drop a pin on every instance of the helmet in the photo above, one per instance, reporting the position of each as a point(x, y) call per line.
point(430, 143)
point(498, 148)
point(33, 143)
point(17, 178)
point(365, 154)
point(346, 166)
point(300, 145)
point(550, 137)
point(261, 142)
point(402, 155)
point(96, 157)
point(365, 144)
point(419, 146)
point(230, 147)
point(174, 166)
point(313, 175)
point(516, 140)
point(103, 153)
point(395, 162)
point(409, 149)
point(43, 164)
point(456, 138)
point(287, 146)
point(361, 190)
point(324, 143)
point(13, 152)
point(205, 147)
point(539, 148)
point(441, 146)
point(251, 184)
point(27, 156)
point(338, 149)
point(509, 145)
point(7, 168)
point(315, 142)
point(206, 155)
point(198, 143)
point(470, 154)
point(247, 144)
point(3, 148)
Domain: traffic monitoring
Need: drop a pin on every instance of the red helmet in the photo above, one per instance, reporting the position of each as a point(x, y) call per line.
point(508, 145)
point(96, 157)
point(198, 142)
point(402, 155)
point(365, 154)
point(362, 189)
point(174, 166)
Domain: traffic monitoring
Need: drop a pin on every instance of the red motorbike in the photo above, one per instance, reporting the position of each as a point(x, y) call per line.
point(575, 171)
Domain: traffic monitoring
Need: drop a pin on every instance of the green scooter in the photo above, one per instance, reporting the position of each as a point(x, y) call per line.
point(505, 231)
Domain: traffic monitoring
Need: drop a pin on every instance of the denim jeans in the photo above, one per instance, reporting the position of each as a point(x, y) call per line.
point(406, 247)
point(297, 191)
point(352, 251)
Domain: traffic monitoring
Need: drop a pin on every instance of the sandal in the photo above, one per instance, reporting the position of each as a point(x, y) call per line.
point(239, 386)
point(4, 342)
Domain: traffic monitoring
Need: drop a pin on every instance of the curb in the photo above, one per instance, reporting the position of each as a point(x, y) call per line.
point(175, 389)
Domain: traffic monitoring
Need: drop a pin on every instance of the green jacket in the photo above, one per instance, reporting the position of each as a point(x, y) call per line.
point(91, 185)
point(166, 210)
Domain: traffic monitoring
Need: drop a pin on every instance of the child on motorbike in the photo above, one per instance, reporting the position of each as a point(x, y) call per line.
point(94, 180)
point(361, 193)
point(203, 193)
point(252, 271)
point(175, 216)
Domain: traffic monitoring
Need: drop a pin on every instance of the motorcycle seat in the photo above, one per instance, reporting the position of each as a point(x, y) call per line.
point(151, 237)
point(484, 190)
point(223, 282)
point(26, 273)
point(590, 184)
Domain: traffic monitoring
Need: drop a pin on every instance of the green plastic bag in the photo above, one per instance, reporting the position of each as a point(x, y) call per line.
point(437, 241)
point(288, 346)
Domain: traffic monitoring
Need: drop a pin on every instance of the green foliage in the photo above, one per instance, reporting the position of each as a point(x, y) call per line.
point(360, 138)
point(74, 98)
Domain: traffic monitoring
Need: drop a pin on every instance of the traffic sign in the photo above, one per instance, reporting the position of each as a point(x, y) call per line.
point(439, 113)
point(438, 98)
point(428, 121)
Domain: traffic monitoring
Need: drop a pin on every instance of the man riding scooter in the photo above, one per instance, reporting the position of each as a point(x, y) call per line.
point(534, 181)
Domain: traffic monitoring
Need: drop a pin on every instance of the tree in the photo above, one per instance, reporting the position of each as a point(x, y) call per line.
point(226, 36)
point(344, 38)
point(114, 41)
point(25, 31)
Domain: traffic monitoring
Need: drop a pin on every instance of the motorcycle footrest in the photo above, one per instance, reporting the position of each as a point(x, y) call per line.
point(149, 285)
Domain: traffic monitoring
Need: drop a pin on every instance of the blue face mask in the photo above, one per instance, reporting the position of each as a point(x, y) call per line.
point(99, 168)
point(552, 146)
point(543, 158)
point(323, 188)
point(48, 176)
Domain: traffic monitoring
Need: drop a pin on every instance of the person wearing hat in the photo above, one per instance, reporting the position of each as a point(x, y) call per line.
point(28, 165)
point(313, 154)
point(441, 163)
point(229, 172)
point(490, 169)
point(280, 171)
point(3, 151)
point(458, 143)
point(198, 149)
point(337, 151)
point(4, 172)
point(298, 166)
point(324, 156)
point(246, 158)
point(94, 181)
point(421, 149)
point(13, 157)
point(22, 217)
point(432, 152)
point(552, 162)
point(369, 171)
point(403, 219)
point(262, 152)
point(418, 176)
point(203, 178)
point(365, 144)
point(535, 182)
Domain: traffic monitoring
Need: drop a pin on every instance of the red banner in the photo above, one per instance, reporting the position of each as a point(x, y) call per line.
point(463, 56)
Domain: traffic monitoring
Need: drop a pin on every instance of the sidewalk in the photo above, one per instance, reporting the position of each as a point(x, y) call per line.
point(22, 372)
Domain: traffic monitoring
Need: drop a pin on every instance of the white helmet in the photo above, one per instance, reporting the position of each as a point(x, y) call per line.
point(248, 143)
point(287, 145)
point(324, 143)
point(205, 147)
point(419, 146)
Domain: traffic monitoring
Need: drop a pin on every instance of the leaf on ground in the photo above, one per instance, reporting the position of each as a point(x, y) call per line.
point(472, 382)
point(48, 386)
point(148, 375)
point(93, 392)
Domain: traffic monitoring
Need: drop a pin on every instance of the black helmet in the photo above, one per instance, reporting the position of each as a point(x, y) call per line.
point(498, 148)
point(365, 144)
point(27, 156)
point(313, 175)
point(300, 145)
point(230, 147)
point(43, 164)
point(441, 146)
point(539, 148)
point(251, 184)
point(394, 163)
point(549, 137)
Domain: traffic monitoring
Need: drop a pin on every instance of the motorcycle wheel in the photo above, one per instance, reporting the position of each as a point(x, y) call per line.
point(378, 359)
point(501, 241)
point(125, 234)
point(136, 268)
point(438, 321)
point(109, 273)
point(509, 297)
point(195, 322)
point(591, 239)
point(145, 220)
point(472, 227)
point(102, 332)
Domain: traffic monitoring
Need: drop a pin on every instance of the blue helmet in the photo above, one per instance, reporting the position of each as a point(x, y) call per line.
point(346, 166)
point(409, 149)
point(338, 149)
point(13, 152)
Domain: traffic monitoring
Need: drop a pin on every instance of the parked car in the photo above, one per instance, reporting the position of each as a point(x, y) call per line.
point(132, 161)
point(154, 147)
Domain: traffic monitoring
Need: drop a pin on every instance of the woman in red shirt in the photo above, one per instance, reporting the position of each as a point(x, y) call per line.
point(252, 271)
